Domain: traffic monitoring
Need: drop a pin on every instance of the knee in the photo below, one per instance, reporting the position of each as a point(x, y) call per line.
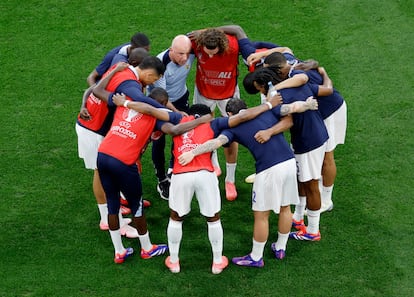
point(215, 218)
point(175, 217)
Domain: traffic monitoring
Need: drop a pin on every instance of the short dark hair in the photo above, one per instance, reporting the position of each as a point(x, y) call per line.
point(234, 105)
point(198, 110)
point(152, 62)
point(275, 59)
point(248, 83)
point(136, 56)
point(139, 40)
point(160, 95)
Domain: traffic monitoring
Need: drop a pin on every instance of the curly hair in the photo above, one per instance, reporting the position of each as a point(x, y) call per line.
point(213, 38)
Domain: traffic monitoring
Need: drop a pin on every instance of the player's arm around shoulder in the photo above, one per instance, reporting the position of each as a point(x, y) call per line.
point(184, 127)
point(208, 146)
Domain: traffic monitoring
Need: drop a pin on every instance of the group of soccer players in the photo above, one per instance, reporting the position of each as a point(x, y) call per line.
point(135, 98)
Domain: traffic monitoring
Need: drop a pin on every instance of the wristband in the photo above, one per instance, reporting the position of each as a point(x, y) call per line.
point(269, 104)
point(126, 103)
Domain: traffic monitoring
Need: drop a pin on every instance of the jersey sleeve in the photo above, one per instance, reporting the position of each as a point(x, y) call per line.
point(175, 117)
point(229, 134)
point(219, 124)
point(246, 47)
point(315, 77)
point(264, 44)
point(132, 89)
point(314, 88)
point(106, 61)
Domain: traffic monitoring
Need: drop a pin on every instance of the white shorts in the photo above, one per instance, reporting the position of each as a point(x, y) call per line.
point(336, 126)
point(220, 104)
point(310, 164)
point(203, 184)
point(88, 144)
point(275, 187)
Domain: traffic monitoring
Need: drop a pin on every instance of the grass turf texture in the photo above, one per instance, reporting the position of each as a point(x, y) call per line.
point(50, 244)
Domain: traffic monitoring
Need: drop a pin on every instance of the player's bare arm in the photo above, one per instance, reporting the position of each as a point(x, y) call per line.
point(172, 107)
point(255, 57)
point(235, 30)
point(206, 147)
point(253, 112)
point(299, 106)
point(307, 65)
point(174, 130)
point(194, 34)
point(91, 79)
point(84, 113)
point(121, 100)
point(293, 82)
point(326, 88)
point(99, 90)
point(284, 124)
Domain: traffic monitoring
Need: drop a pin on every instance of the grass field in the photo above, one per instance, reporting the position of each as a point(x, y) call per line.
point(50, 243)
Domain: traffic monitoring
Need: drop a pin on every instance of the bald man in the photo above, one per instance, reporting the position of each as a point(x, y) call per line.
point(177, 60)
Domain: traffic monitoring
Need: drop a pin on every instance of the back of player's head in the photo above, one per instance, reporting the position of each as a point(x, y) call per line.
point(213, 38)
point(136, 56)
point(265, 75)
point(248, 83)
point(140, 40)
point(275, 59)
point(198, 110)
point(160, 95)
point(151, 62)
point(234, 105)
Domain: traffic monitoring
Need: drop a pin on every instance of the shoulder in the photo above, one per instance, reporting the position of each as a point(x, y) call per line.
point(164, 57)
point(233, 42)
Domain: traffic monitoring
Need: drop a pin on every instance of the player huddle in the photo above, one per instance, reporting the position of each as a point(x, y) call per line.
point(135, 98)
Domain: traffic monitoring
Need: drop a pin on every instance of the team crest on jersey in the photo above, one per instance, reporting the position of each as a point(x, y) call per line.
point(156, 135)
point(187, 136)
point(131, 115)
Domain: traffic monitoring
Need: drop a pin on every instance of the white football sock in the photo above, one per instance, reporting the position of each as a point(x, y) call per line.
point(326, 195)
point(145, 241)
point(214, 159)
point(282, 240)
point(300, 209)
point(257, 250)
point(103, 212)
point(117, 241)
point(215, 235)
point(313, 221)
point(230, 172)
point(174, 234)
